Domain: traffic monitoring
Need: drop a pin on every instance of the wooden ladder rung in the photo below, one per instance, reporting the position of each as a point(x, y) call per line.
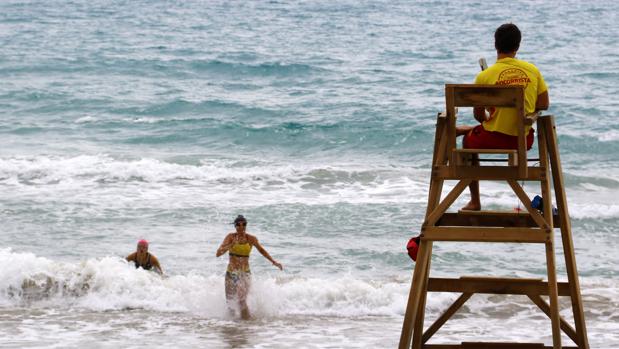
point(489, 173)
point(492, 212)
point(485, 234)
point(490, 345)
point(486, 151)
point(464, 156)
point(493, 285)
point(491, 219)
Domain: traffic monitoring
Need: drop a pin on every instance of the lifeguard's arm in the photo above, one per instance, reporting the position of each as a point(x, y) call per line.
point(155, 262)
point(225, 245)
point(254, 241)
point(131, 257)
point(480, 114)
point(543, 101)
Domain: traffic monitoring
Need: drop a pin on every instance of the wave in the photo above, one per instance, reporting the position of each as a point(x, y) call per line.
point(279, 69)
point(158, 67)
point(209, 179)
point(210, 108)
point(266, 181)
point(109, 283)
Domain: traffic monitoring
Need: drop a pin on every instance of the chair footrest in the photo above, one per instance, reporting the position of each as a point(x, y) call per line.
point(490, 345)
point(494, 285)
point(463, 156)
point(491, 219)
point(486, 151)
point(485, 234)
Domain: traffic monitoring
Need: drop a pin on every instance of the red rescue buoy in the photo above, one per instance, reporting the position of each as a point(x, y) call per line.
point(413, 247)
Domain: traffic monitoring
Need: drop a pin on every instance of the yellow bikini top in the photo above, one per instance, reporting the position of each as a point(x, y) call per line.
point(240, 250)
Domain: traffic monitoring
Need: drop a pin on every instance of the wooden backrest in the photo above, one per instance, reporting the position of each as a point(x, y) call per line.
point(472, 95)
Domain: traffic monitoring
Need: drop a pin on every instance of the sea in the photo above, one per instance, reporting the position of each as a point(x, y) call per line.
point(163, 120)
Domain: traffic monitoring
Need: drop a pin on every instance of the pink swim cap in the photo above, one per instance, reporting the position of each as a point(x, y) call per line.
point(143, 242)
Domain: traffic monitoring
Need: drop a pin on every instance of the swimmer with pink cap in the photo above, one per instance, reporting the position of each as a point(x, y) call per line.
point(142, 258)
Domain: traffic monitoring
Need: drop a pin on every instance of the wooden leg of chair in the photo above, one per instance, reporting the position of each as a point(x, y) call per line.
point(434, 195)
point(566, 233)
point(414, 296)
point(421, 311)
point(553, 294)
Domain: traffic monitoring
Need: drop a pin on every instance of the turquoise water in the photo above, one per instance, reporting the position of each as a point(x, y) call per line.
point(122, 120)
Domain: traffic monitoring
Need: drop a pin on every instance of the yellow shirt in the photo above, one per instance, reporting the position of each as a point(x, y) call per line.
point(512, 71)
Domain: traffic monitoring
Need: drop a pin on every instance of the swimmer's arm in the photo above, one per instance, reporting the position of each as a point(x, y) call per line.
point(155, 262)
point(543, 101)
point(131, 257)
point(225, 245)
point(254, 241)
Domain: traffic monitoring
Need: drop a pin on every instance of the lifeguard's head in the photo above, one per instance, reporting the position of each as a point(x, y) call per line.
point(507, 38)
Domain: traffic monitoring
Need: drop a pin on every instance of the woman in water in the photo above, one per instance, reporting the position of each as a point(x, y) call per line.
point(238, 276)
point(142, 258)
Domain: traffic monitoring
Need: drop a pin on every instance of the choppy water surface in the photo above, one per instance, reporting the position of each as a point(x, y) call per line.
point(122, 120)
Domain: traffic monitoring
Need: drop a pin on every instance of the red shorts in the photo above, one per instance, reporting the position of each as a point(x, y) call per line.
point(479, 138)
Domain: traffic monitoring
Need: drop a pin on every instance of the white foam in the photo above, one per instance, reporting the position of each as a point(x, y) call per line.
point(601, 135)
point(86, 119)
point(110, 283)
point(113, 285)
point(218, 180)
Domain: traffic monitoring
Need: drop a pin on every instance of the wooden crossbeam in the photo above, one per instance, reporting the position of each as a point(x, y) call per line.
point(565, 326)
point(490, 219)
point(449, 199)
point(488, 345)
point(447, 314)
point(489, 173)
point(527, 204)
point(491, 285)
point(484, 234)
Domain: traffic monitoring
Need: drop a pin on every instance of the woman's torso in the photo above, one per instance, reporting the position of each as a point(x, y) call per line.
point(239, 253)
point(143, 261)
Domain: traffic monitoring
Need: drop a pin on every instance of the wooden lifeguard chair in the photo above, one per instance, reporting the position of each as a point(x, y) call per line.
point(532, 226)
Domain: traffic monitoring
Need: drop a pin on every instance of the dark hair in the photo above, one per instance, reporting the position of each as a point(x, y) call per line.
point(507, 38)
point(240, 219)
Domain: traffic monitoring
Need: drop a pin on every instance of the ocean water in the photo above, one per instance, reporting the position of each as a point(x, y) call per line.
point(163, 120)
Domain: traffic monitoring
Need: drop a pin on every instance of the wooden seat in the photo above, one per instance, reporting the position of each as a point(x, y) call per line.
point(529, 226)
point(471, 95)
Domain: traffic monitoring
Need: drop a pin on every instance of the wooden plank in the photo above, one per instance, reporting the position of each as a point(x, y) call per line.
point(545, 183)
point(487, 151)
point(491, 173)
point(473, 95)
point(492, 212)
point(488, 345)
point(522, 138)
point(421, 311)
point(451, 124)
point(439, 138)
point(492, 285)
point(447, 314)
point(565, 326)
point(484, 234)
point(566, 231)
point(414, 296)
point(553, 294)
point(488, 219)
point(444, 205)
